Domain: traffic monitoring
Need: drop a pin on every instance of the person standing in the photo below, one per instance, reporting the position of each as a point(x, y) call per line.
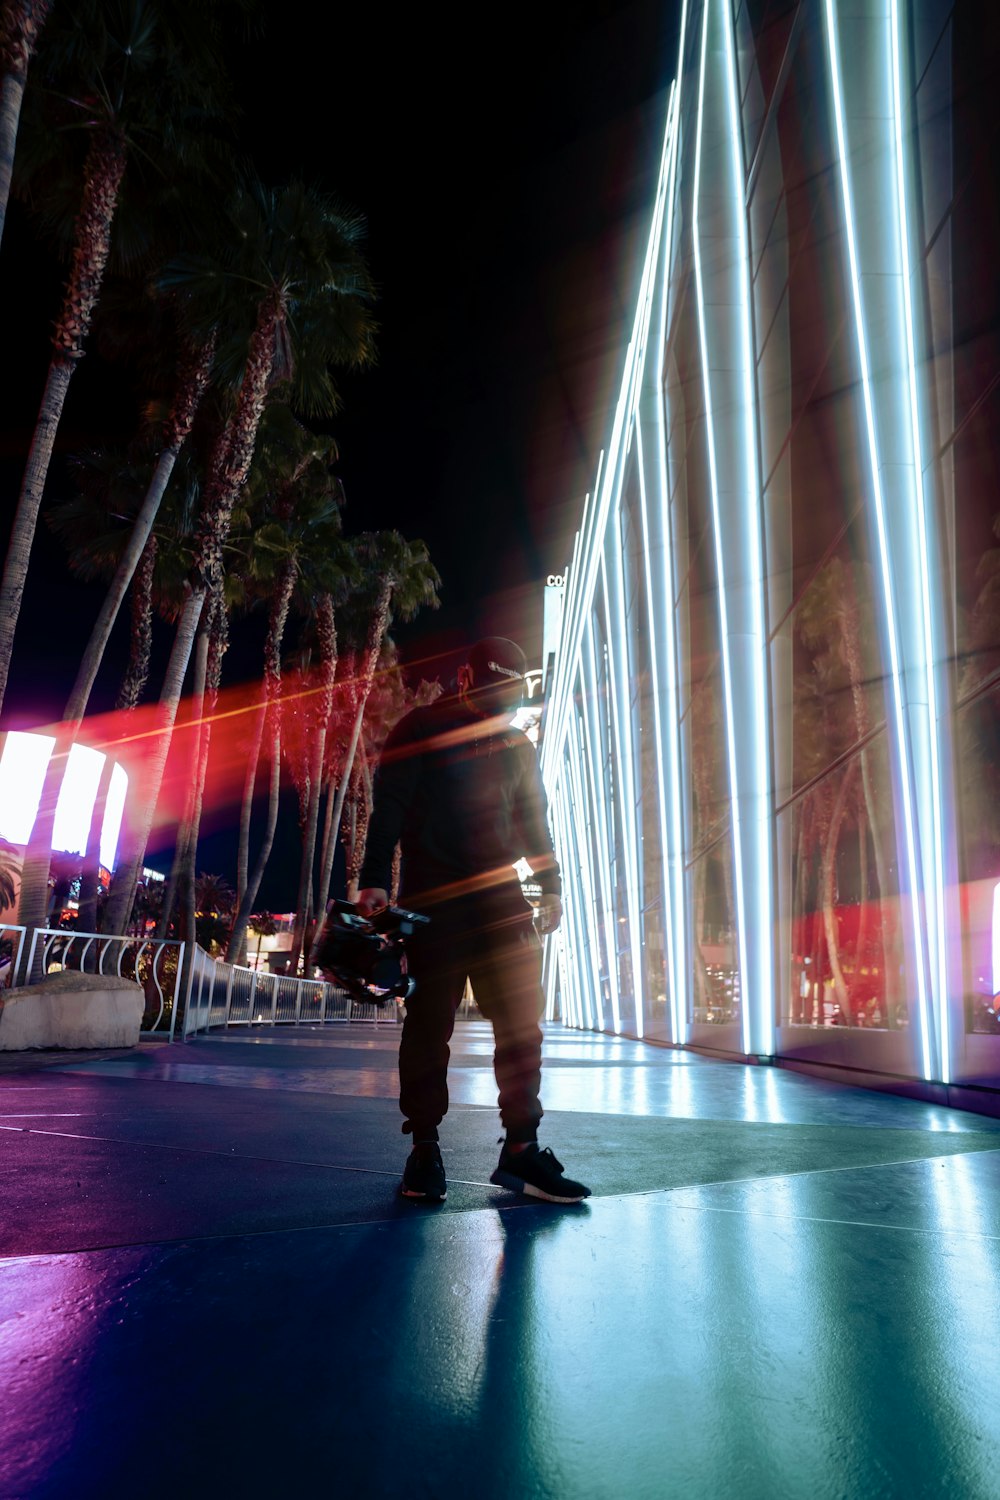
point(461, 790)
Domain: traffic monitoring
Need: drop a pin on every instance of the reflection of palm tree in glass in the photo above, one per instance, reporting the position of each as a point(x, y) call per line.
point(833, 620)
point(708, 775)
point(978, 722)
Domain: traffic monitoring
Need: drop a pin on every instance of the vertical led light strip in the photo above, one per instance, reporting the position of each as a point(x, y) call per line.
point(571, 967)
point(608, 487)
point(936, 925)
point(763, 1011)
point(670, 841)
point(585, 1002)
point(620, 697)
point(589, 902)
point(667, 726)
point(598, 804)
point(909, 828)
point(604, 815)
point(719, 561)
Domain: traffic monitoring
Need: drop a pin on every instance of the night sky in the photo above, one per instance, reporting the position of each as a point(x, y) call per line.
point(506, 168)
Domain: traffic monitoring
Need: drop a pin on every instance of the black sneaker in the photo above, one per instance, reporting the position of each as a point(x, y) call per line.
point(423, 1175)
point(538, 1174)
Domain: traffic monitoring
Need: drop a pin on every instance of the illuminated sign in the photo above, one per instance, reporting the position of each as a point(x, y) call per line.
point(23, 765)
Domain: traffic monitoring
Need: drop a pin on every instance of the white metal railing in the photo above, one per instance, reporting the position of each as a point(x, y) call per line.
point(152, 962)
point(219, 994)
point(11, 948)
point(214, 994)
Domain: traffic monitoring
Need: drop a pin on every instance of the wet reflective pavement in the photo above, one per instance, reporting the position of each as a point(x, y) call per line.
point(781, 1287)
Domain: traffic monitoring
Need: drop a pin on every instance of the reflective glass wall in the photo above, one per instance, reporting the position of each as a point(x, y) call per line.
point(772, 730)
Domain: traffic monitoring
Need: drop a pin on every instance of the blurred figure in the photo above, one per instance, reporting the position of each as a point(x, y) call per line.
point(461, 790)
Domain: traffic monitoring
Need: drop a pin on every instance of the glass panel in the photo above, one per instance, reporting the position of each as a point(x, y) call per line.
point(771, 22)
point(978, 778)
point(969, 391)
point(828, 690)
point(705, 726)
point(651, 862)
point(843, 934)
point(714, 952)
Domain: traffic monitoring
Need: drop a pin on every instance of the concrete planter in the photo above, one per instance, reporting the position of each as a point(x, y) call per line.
point(73, 1011)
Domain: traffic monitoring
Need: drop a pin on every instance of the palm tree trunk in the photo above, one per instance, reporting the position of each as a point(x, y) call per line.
point(137, 554)
point(179, 869)
point(218, 644)
point(861, 941)
point(238, 936)
point(22, 21)
point(304, 892)
point(102, 180)
point(127, 874)
point(326, 857)
point(373, 646)
point(829, 883)
point(141, 641)
point(230, 465)
point(246, 806)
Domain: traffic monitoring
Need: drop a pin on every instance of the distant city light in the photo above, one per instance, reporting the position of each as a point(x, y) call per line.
point(77, 796)
point(22, 774)
point(23, 765)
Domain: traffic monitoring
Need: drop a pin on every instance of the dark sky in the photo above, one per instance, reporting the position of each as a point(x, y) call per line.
point(505, 161)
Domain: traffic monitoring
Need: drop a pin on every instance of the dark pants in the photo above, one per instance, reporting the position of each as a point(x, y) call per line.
point(494, 944)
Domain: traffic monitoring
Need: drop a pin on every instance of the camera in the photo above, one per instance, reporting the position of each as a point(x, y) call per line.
point(366, 956)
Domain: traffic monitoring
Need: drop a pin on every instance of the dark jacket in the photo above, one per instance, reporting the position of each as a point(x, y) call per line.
point(465, 805)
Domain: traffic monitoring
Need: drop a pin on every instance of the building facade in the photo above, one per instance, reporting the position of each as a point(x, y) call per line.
point(772, 728)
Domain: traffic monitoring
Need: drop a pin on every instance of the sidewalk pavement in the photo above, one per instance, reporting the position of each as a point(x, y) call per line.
point(210, 1285)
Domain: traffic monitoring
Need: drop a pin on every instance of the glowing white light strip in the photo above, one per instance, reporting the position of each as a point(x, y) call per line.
point(562, 855)
point(579, 599)
point(996, 939)
point(719, 560)
point(757, 1006)
point(77, 795)
point(909, 828)
point(936, 926)
point(575, 608)
point(551, 742)
point(621, 689)
point(114, 809)
point(589, 904)
point(673, 843)
point(609, 483)
point(582, 1009)
point(551, 968)
point(604, 821)
point(22, 775)
point(673, 914)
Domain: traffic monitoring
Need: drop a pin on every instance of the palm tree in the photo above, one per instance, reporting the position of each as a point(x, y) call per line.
point(96, 527)
point(133, 80)
point(301, 561)
point(110, 487)
point(388, 701)
point(401, 581)
point(20, 23)
point(301, 258)
point(139, 550)
point(263, 925)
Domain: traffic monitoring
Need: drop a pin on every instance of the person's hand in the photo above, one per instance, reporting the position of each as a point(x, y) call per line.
point(372, 899)
point(548, 915)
